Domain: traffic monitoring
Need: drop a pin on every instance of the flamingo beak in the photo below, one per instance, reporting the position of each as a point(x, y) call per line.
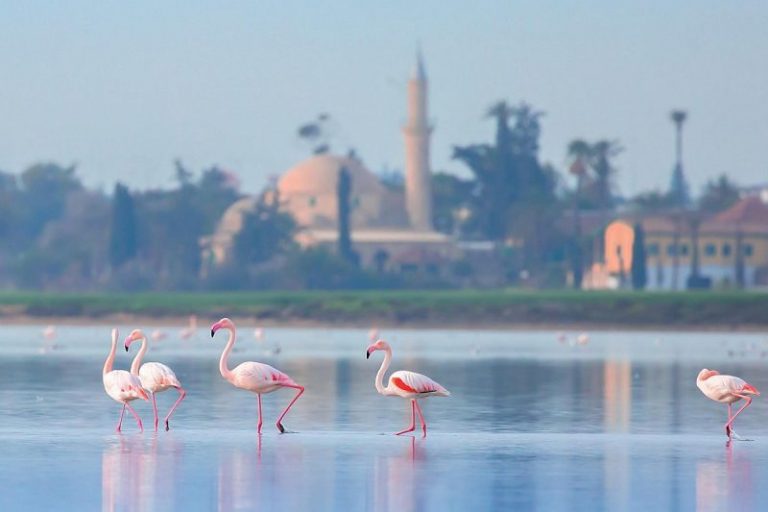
point(126, 348)
point(214, 328)
point(368, 354)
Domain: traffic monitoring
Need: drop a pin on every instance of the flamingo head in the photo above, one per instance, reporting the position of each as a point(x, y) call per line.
point(224, 323)
point(135, 335)
point(704, 374)
point(379, 345)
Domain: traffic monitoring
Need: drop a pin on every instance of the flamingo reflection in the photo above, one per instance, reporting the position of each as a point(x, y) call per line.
point(725, 484)
point(134, 477)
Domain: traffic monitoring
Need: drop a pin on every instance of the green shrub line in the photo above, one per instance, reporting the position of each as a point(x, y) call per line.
point(413, 307)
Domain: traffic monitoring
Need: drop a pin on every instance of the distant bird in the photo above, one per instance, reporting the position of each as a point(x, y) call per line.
point(190, 330)
point(258, 333)
point(49, 332)
point(562, 337)
point(582, 339)
point(121, 386)
point(154, 377)
point(373, 334)
point(258, 378)
point(158, 335)
point(405, 384)
point(726, 389)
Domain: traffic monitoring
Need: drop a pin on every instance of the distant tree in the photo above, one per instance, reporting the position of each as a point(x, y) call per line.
point(316, 134)
point(450, 196)
point(679, 193)
point(267, 232)
point(45, 188)
point(651, 202)
point(593, 167)
point(515, 200)
point(602, 153)
point(719, 195)
point(122, 241)
point(344, 200)
point(639, 263)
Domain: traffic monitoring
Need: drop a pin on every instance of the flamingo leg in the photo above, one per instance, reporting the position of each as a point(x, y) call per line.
point(280, 419)
point(138, 420)
point(421, 417)
point(412, 426)
point(258, 426)
point(182, 394)
point(728, 423)
point(120, 423)
point(746, 404)
point(154, 408)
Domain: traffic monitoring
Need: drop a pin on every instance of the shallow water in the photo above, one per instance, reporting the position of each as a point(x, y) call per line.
point(532, 423)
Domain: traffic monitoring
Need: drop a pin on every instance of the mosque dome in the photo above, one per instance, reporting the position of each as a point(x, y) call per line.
point(319, 175)
point(309, 192)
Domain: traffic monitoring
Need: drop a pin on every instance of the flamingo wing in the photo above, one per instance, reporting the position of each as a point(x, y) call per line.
point(252, 375)
point(155, 376)
point(412, 382)
point(720, 387)
point(123, 386)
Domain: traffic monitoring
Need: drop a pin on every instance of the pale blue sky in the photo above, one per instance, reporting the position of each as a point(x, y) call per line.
point(123, 88)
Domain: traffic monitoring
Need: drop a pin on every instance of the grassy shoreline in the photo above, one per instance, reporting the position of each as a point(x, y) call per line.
point(459, 308)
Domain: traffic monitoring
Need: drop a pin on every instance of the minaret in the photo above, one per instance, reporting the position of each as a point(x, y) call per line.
point(418, 187)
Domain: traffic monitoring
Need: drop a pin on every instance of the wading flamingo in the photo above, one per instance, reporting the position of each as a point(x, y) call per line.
point(405, 384)
point(258, 378)
point(121, 386)
point(154, 377)
point(726, 389)
point(190, 330)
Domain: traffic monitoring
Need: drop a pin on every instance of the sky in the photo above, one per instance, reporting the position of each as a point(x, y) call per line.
point(124, 88)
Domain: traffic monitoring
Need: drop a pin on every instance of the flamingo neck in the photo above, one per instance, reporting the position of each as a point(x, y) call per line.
point(223, 366)
point(379, 382)
point(111, 357)
point(139, 356)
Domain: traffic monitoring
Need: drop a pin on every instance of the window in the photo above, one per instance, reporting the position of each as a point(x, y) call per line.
point(684, 249)
point(726, 250)
point(652, 249)
point(710, 250)
point(748, 250)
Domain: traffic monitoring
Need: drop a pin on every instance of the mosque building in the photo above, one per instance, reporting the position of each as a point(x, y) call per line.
point(390, 228)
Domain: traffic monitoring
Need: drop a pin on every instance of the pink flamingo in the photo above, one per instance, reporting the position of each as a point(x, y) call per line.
point(154, 377)
point(121, 386)
point(258, 378)
point(405, 384)
point(726, 389)
point(190, 330)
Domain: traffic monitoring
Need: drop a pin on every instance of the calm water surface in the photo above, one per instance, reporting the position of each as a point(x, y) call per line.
point(533, 423)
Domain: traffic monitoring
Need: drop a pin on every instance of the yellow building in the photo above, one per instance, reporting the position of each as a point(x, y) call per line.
point(739, 234)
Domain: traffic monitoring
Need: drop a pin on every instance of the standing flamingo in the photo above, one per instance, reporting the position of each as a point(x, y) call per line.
point(155, 377)
point(121, 386)
point(405, 384)
point(726, 389)
point(258, 378)
point(190, 330)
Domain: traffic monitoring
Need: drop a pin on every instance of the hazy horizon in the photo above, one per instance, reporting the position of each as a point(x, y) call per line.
point(124, 89)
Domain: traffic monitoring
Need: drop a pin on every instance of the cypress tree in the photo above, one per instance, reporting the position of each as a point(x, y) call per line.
point(639, 271)
point(122, 242)
point(343, 193)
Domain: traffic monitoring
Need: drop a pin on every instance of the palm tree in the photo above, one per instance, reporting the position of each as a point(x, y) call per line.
point(602, 153)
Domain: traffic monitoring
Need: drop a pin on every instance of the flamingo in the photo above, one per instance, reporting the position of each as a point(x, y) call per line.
point(121, 386)
point(726, 389)
point(158, 335)
point(190, 330)
point(154, 377)
point(405, 384)
point(256, 377)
